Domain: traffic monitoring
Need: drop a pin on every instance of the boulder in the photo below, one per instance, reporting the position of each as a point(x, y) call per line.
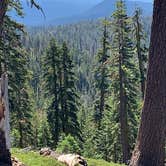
point(68, 159)
point(72, 160)
point(45, 151)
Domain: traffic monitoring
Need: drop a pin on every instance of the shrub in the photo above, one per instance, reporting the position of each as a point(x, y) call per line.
point(68, 145)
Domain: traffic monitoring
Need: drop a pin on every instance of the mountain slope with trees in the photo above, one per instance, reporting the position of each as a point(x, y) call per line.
point(80, 88)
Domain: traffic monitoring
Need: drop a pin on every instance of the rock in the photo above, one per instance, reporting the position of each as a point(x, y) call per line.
point(49, 152)
point(72, 160)
point(16, 162)
point(45, 151)
point(68, 159)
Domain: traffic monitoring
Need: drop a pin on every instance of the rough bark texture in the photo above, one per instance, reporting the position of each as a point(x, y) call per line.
point(5, 158)
point(3, 7)
point(149, 150)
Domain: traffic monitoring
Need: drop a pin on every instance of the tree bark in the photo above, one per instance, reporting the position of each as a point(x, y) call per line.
point(149, 150)
point(5, 158)
point(3, 8)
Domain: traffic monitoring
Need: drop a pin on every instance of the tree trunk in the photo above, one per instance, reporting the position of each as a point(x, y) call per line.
point(149, 150)
point(21, 136)
point(122, 105)
point(3, 8)
point(141, 65)
point(5, 158)
point(123, 116)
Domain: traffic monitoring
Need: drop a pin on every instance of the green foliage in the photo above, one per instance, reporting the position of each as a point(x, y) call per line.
point(94, 162)
point(141, 47)
point(44, 85)
point(14, 61)
point(50, 64)
point(34, 159)
point(124, 77)
point(68, 145)
point(41, 130)
point(102, 76)
point(58, 75)
point(60, 83)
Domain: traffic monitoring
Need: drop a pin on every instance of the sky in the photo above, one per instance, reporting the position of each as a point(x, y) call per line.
point(62, 9)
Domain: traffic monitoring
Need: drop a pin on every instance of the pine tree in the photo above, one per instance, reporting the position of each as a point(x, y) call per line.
point(102, 76)
point(51, 62)
point(16, 64)
point(60, 82)
point(123, 78)
point(141, 47)
point(68, 95)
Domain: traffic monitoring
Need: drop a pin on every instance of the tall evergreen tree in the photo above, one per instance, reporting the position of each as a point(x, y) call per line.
point(102, 76)
point(69, 97)
point(15, 64)
point(4, 149)
point(123, 74)
point(51, 64)
point(60, 82)
point(141, 47)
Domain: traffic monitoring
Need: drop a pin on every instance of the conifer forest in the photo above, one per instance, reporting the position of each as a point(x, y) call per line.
point(89, 92)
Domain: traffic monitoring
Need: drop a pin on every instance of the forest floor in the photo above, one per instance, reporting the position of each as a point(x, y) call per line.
point(34, 159)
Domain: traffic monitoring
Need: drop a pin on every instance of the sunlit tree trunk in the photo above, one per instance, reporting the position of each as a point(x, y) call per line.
point(149, 150)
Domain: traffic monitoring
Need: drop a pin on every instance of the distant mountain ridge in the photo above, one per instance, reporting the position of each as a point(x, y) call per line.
point(105, 8)
point(64, 13)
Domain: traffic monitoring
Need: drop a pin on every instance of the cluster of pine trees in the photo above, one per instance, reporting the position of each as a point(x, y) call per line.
point(120, 83)
point(60, 87)
point(57, 93)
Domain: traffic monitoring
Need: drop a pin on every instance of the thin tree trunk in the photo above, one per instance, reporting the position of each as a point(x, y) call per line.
point(21, 135)
point(56, 107)
point(102, 90)
point(123, 116)
point(122, 107)
point(141, 65)
point(149, 150)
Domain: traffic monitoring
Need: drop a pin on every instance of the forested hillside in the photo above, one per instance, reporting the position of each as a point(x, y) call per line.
point(96, 82)
point(79, 89)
